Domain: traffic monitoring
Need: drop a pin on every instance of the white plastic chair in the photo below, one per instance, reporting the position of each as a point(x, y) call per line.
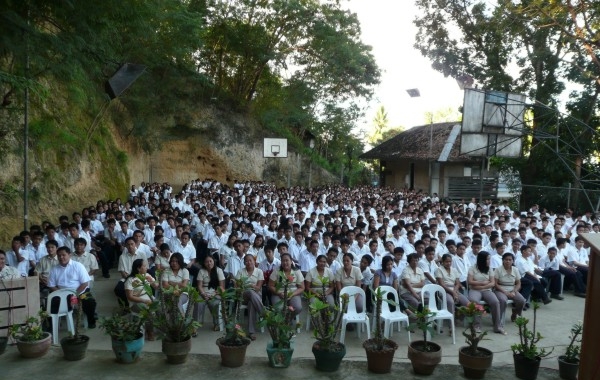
point(351, 315)
point(391, 317)
point(429, 293)
point(63, 311)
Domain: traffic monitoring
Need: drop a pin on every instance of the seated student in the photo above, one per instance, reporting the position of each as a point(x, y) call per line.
point(210, 278)
point(481, 283)
point(533, 275)
point(7, 272)
point(412, 281)
point(69, 274)
point(314, 284)
point(42, 269)
point(135, 290)
point(268, 266)
point(252, 295)
point(449, 278)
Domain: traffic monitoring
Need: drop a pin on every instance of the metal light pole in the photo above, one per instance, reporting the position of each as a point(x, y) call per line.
point(311, 144)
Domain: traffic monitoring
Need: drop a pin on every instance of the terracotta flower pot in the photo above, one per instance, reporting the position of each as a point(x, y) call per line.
point(232, 356)
point(475, 366)
point(380, 361)
point(424, 362)
point(36, 348)
point(177, 352)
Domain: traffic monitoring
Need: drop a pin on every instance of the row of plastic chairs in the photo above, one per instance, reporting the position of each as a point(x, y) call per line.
point(428, 298)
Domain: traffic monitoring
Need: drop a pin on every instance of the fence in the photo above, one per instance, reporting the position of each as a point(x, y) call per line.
point(560, 198)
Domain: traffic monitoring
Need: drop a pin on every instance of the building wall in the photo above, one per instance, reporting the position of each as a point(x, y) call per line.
point(397, 174)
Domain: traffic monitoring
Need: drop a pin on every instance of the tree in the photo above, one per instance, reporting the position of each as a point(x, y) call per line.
point(380, 123)
point(516, 46)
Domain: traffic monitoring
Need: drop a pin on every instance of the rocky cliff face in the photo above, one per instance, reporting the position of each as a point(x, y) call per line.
point(210, 143)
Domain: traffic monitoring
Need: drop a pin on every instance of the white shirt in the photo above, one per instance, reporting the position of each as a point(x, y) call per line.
point(70, 276)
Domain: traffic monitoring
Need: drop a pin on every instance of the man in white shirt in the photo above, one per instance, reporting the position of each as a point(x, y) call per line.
point(531, 277)
point(69, 274)
point(428, 265)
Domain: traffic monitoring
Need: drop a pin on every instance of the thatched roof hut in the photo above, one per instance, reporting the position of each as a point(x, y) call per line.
point(415, 144)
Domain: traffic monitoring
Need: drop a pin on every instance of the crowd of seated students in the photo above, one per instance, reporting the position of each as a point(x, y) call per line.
point(363, 236)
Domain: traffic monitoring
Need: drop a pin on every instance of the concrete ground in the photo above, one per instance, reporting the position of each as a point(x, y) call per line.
point(554, 322)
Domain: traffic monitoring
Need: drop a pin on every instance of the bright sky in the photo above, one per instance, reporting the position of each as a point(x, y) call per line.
point(387, 26)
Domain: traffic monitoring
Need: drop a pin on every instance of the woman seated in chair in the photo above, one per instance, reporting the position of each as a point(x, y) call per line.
point(135, 291)
point(177, 274)
point(314, 284)
point(449, 279)
point(295, 287)
point(481, 284)
point(386, 277)
point(253, 280)
point(412, 281)
point(210, 278)
point(508, 284)
point(349, 275)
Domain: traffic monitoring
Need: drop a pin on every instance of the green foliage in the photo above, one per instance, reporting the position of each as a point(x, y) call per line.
point(423, 322)
point(32, 330)
point(123, 326)
point(574, 348)
point(234, 333)
point(527, 346)
point(326, 320)
point(166, 316)
point(278, 318)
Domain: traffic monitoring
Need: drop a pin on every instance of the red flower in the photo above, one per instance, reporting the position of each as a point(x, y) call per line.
point(74, 301)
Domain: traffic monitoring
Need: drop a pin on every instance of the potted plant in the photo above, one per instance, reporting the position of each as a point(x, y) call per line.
point(177, 326)
point(74, 347)
point(32, 340)
point(568, 364)
point(279, 320)
point(526, 354)
point(125, 330)
point(475, 360)
point(327, 322)
point(424, 355)
point(233, 345)
point(380, 351)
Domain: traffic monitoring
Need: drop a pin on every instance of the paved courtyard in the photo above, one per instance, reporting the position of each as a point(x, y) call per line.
point(554, 322)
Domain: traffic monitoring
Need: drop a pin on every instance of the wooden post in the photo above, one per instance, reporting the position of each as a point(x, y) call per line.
point(589, 366)
point(19, 299)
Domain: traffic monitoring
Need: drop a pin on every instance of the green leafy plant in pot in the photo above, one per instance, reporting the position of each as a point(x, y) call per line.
point(125, 330)
point(279, 321)
point(424, 355)
point(475, 360)
point(526, 354)
point(568, 364)
point(233, 345)
point(75, 346)
point(172, 315)
point(380, 351)
point(32, 340)
point(327, 322)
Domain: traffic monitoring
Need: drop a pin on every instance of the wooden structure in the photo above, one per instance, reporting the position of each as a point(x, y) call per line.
point(589, 366)
point(428, 158)
point(19, 299)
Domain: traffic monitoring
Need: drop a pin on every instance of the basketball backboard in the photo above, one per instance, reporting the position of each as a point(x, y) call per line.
point(275, 148)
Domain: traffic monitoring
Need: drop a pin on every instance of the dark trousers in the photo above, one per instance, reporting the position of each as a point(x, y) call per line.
point(573, 277)
point(554, 278)
point(537, 287)
point(88, 305)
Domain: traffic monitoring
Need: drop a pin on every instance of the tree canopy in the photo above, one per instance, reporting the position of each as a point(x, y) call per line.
point(296, 65)
point(547, 50)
